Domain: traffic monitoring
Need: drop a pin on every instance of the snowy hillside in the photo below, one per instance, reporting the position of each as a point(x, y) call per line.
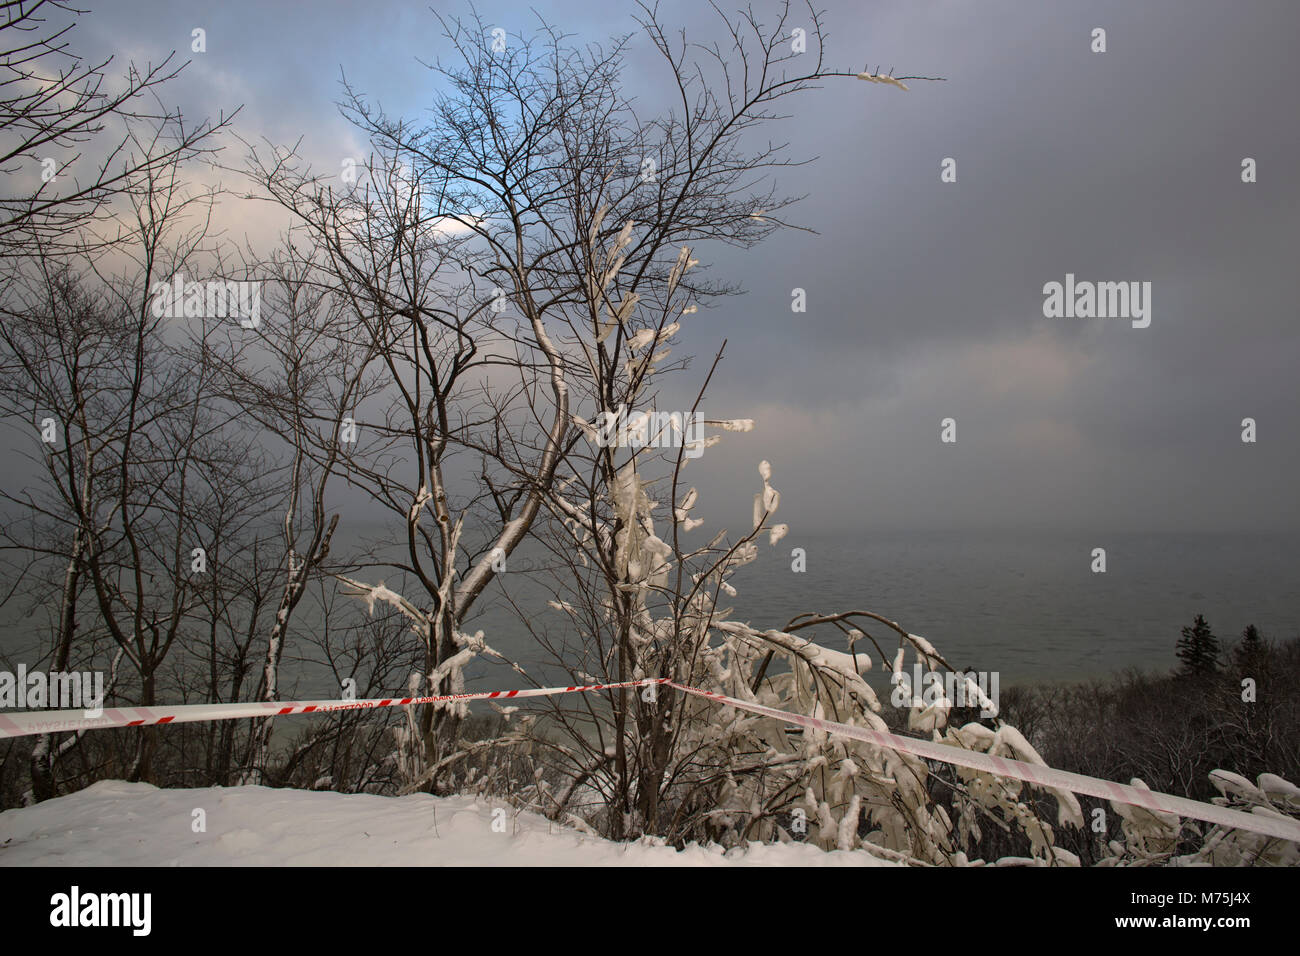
point(128, 824)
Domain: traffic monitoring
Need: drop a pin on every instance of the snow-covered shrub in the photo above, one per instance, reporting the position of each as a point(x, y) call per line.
point(697, 770)
point(1152, 838)
point(691, 769)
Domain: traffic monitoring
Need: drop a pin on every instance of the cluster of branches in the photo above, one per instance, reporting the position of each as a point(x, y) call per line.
point(73, 140)
point(330, 493)
point(508, 262)
point(141, 499)
point(428, 336)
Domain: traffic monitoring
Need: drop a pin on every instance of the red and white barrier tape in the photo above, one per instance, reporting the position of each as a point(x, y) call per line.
point(1280, 827)
point(53, 721)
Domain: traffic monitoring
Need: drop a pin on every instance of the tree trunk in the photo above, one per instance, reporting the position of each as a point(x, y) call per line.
point(44, 753)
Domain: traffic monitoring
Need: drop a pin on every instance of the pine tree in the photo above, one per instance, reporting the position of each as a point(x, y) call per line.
point(1248, 650)
point(1198, 649)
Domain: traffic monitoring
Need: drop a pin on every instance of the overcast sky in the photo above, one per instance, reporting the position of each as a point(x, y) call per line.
point(925, 299)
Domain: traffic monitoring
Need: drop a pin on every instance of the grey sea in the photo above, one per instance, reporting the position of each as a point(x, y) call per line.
point(1027, 606)
point(1030, 605)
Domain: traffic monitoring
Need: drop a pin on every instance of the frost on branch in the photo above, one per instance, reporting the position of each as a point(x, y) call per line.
point(731, 776)
point(1154, 838)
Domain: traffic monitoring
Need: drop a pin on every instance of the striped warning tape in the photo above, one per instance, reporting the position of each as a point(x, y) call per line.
point(1261, 820)
point(53, 721)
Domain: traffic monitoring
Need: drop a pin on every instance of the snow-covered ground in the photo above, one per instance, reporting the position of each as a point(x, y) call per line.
point(116, 823)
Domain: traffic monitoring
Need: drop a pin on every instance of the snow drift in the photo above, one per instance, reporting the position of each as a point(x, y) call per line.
point(136, 824)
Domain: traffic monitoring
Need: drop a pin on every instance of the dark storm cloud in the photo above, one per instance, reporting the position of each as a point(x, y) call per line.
point(925, 299)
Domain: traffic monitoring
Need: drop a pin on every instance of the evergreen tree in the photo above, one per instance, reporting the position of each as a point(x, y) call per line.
point(1198, 649)
point(1248, 650)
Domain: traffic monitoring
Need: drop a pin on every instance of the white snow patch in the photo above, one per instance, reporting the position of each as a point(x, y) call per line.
point(113, 823)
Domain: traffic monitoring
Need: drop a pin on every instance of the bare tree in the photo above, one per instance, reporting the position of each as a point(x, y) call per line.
point(138, 460)
point(69, 135)
point(506, 260)
point(302, 392)
point(582, 213)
